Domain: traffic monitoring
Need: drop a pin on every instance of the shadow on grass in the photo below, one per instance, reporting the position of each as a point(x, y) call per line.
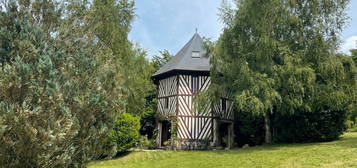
point(122, 154)
point(349, 141)
point(117, 156)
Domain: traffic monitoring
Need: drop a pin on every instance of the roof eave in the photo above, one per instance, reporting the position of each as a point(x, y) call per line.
point(179, 72)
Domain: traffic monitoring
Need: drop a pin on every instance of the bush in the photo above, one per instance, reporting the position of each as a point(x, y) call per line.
point(298, 128)
point(145, 143)
point(310, 126)
point(350, 124)
point(125, 133)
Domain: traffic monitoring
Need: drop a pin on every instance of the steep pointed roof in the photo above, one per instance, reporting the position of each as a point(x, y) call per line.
point(185, 60)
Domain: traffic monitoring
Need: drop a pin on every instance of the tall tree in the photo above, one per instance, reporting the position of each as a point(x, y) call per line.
point(132, 68)
point(148, 119)
point(57, 95)
point(273, 55)
point(160, 60)
point(138, 84)
point(112, 24)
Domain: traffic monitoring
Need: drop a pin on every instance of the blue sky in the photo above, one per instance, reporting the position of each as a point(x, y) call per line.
point(169, 24)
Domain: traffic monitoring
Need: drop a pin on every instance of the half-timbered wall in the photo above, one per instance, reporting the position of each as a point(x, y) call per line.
point(167, 92)
point(192, 124)
point(193, 127)
point(223, 113)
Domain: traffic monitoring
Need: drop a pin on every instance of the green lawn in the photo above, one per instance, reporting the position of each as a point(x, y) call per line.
point(337, 154)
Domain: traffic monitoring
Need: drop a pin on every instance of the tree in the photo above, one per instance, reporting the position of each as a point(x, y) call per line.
point(57, 95)
point(273, 57)
point(160, 60)
point(148, 118)
point(129, 62)
point(354, 55)
point(133, 70)
point(111, 20)
point(353, 108)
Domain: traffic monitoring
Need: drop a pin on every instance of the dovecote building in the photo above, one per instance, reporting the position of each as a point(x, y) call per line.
point(179, 122)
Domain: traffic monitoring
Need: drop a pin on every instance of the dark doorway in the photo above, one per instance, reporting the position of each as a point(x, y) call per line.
point(224, 136)
point(165, 132)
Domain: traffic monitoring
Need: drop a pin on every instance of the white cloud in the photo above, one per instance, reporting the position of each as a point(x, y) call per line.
point(349, 43)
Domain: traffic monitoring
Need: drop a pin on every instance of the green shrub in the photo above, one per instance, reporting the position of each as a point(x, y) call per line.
point(350, 124)
point(318, 126)
point(125, 133)
point(145, 143)
point(301, 127)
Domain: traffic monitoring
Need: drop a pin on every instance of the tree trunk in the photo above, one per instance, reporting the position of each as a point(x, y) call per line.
point(267, 125)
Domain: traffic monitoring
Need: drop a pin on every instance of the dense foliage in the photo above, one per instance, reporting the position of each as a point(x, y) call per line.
point(279, 58)
point(54, 105)
point(354, 55)
point(352, 122)
point(310, 126)
point(67, 70)
point(125, 133)
point(129, 61)
point(248, 129)
point(148, 117)
point(160, 60)
point(133, 70)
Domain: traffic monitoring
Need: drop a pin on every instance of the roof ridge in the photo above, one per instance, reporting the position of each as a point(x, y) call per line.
point(185, 47)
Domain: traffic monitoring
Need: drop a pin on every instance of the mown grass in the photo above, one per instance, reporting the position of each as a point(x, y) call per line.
point(354, 129)
point(336, 154)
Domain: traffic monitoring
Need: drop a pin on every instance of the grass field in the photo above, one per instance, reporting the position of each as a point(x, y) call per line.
point(336, 154)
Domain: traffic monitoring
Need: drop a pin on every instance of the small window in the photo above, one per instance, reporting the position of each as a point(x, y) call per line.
point(166, 101)
point(195, 54)
point(195, 84)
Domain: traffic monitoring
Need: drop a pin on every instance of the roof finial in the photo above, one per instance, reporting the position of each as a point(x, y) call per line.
point(196, 29)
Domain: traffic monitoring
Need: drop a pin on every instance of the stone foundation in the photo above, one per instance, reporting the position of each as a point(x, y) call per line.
point(193, 144)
